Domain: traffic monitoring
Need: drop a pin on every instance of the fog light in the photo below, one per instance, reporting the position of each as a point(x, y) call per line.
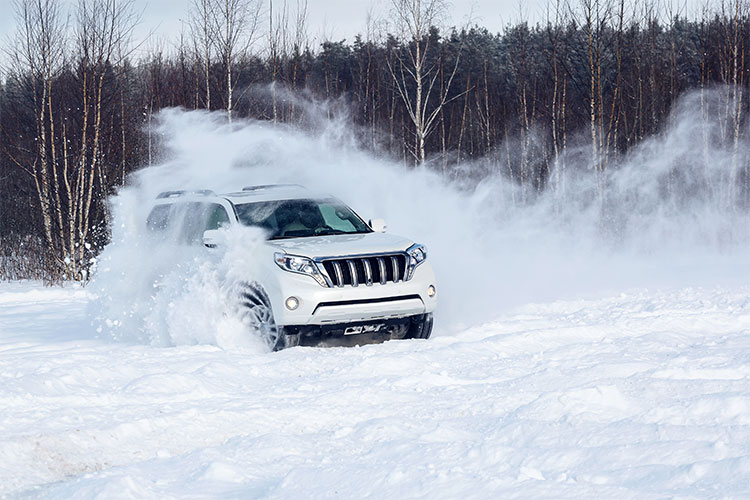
point(292, 303)
point(431, 291)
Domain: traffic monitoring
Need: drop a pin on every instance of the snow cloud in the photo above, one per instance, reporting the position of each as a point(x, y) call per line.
point(667, 213)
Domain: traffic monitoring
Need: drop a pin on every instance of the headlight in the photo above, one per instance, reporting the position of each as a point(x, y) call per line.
point(299, 265)
point(417, 254)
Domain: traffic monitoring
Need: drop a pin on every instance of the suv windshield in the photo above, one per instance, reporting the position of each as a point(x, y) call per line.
point(301, 218)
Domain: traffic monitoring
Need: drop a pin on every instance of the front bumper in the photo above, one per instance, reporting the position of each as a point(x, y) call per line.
point(324, 306)
point(360, 333)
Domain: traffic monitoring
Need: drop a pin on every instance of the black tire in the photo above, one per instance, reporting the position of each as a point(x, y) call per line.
point(257, 314)
point(421, 327)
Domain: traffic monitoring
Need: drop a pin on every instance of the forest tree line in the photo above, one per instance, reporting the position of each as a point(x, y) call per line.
point(79, 95)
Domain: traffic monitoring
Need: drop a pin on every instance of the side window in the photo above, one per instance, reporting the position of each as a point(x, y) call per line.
point(217, 216)
point(199, 217)
point(158, 219)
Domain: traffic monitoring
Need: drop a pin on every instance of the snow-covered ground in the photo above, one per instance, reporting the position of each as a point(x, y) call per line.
point(588, 344)
point(638, 395)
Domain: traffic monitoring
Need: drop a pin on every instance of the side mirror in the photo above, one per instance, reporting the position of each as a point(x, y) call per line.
point(378, 225)
point(213, 238)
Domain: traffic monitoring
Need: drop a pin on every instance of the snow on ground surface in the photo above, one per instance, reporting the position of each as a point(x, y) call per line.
point(636, 395)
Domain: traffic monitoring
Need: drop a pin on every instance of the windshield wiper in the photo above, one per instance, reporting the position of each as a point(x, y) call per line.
point(330, 232)
point(312, 234)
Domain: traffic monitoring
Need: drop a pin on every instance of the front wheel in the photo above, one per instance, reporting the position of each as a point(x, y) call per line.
point(257, 314)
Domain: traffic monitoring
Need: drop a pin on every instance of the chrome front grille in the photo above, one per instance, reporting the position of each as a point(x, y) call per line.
point(365, 270)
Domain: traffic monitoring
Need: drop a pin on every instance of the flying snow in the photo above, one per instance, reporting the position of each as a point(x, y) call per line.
point(664, 214)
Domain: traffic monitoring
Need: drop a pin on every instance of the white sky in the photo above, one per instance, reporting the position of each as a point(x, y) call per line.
point(338, 19)
point(343, 19)
point(334, 19)
point(328, 19)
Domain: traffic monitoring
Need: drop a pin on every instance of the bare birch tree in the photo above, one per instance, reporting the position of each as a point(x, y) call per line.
point(411, 68)
point(287, 37)
point(234, 30)
point(104, 28)
point(66, 165)
point(37, 56)
point(201, 28)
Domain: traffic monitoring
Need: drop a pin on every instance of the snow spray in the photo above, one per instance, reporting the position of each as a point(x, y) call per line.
point(664, 214)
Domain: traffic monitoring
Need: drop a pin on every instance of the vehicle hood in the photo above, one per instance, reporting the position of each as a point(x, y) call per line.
point(343, 244)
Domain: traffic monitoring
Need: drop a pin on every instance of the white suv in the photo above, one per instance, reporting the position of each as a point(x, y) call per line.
point(325, 276)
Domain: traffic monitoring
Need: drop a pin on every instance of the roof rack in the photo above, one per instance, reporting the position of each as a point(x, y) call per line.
point(263, 187)
point(177, 194)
